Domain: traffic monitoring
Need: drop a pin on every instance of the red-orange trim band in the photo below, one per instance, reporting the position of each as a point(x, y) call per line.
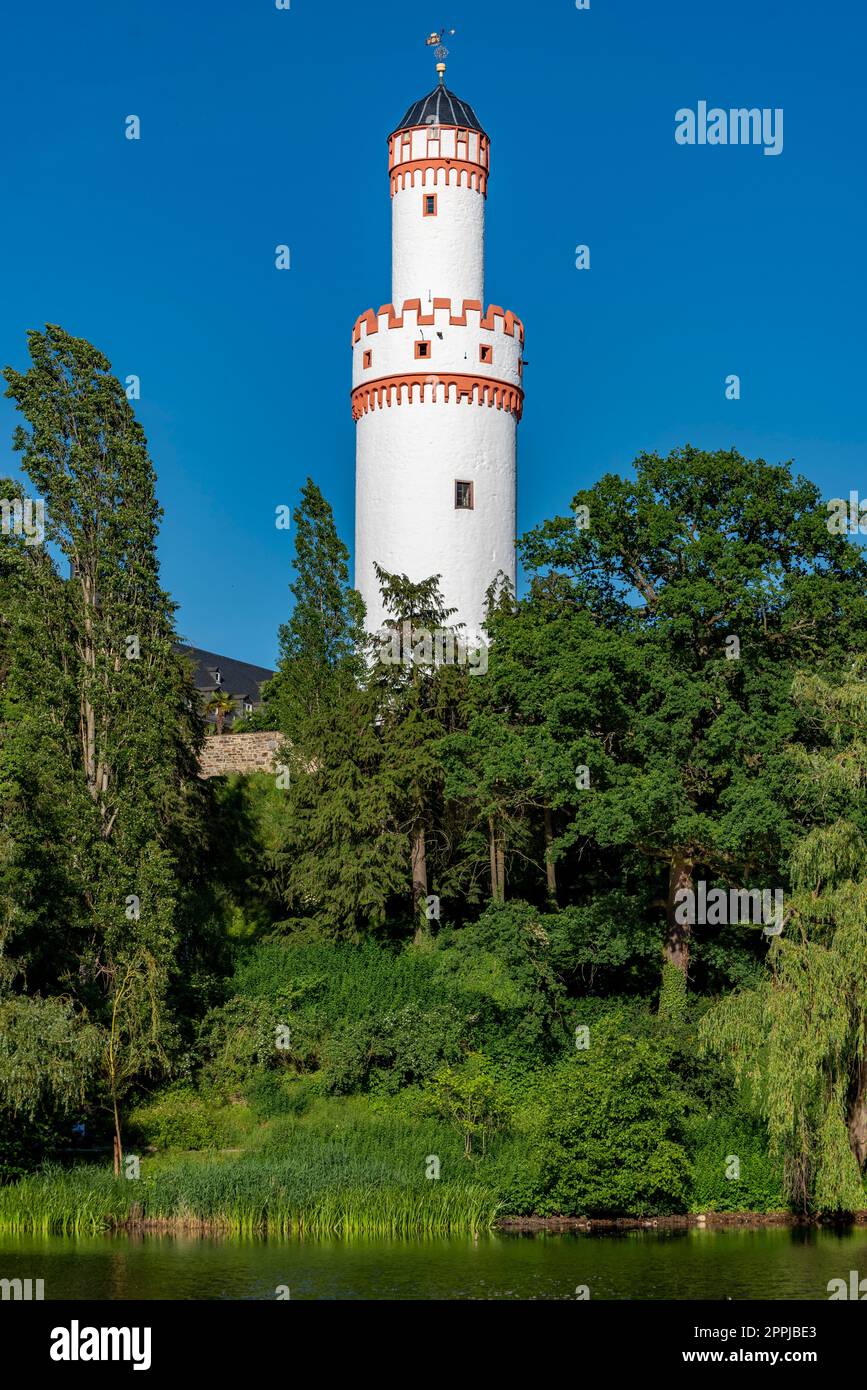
point(476, 390)
point(477, 177)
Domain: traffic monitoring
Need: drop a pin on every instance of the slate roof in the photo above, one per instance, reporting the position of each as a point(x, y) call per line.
point(238, 678)
point(445, 107)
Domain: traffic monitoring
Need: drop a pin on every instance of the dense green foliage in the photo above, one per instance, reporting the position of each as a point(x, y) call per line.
point(435, 966)
point(103, 822)
point(799, 1034)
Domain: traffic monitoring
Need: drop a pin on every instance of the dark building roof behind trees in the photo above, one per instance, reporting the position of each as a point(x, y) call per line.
point(441, 107)
point(214, 672)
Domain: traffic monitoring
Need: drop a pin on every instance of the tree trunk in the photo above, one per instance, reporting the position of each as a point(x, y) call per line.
point(675, 951)
point(501, 868)
point(498, 861)
point(858, 1116)
point(88, 714)
point(419, 882)
point(550, 866)
point(492, 850)
point(677, 938)
point(118, 1145)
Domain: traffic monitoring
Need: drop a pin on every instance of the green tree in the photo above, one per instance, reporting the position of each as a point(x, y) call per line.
point(799, 1039)
point(338, 858)
point(467, 1097)
point(547, 706)
point(419, 685)
point(101, 801)
point(136, 1032)
point(720, 576)
point(322, 644)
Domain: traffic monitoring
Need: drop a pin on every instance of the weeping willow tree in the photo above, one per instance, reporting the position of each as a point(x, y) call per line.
point(799, 1040)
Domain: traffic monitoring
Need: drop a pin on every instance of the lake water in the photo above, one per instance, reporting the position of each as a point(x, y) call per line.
point(692, 1264)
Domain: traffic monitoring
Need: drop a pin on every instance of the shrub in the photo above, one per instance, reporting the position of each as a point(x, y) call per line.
point(517, 1176)
point(273, 1093)
point(178, 1118)
point(613, 1128)
point(499, 970)
point(467, 1097)
point(395, 1049)
point(608, 944)
point(721, 1184)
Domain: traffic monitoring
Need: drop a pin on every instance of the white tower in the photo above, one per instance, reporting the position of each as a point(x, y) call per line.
point(437, 379)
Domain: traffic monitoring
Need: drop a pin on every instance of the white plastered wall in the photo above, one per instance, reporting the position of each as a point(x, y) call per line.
point(408, 460)
point(444, 255)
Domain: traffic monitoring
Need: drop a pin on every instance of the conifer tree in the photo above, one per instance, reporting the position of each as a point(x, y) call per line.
point(322, 644)
point(339, 851)
point(420, 682)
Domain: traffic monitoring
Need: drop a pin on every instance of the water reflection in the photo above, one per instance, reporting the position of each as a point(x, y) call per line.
point(740, 1263)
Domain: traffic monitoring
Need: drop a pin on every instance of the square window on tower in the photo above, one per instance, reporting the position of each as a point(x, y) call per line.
point(486, 353)
point(463, 496)
point(367, 360)
point(430, 204)
point(422, 349)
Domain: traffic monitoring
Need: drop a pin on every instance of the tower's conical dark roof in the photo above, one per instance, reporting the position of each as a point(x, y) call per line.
point(445, 107)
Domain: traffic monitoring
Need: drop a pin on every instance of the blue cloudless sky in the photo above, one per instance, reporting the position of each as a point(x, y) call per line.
point(262, 126)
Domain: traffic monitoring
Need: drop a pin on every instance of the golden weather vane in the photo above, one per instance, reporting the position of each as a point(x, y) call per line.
point(435, 41)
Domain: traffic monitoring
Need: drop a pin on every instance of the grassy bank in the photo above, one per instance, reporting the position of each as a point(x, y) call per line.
point(345, 1166)
point(402, 1063)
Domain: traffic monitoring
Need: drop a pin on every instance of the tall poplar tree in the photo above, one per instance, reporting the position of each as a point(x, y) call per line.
point(107, 728)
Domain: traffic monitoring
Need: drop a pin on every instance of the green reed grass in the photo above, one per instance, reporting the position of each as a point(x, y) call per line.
point(247, 1196)
point(57, 1201)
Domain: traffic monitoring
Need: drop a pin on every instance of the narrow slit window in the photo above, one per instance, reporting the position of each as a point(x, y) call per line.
point(368, 359)
point(486, 353)
point(463, 496)
point(422, 349)
point(430, 205)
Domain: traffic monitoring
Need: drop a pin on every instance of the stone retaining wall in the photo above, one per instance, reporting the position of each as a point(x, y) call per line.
point(225, 753)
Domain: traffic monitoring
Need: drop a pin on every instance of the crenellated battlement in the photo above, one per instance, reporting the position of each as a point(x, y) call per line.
point(412, 316)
